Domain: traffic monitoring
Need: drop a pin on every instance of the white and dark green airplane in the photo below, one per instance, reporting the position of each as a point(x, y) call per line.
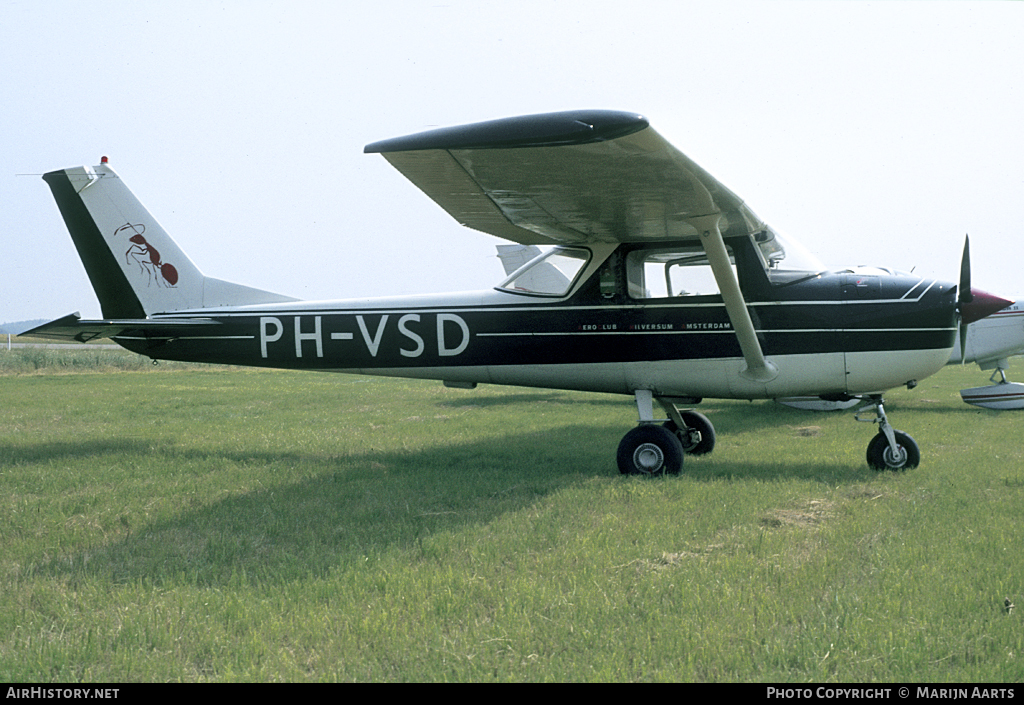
point(656, 281)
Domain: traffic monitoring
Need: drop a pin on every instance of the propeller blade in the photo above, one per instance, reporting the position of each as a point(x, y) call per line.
point(973, 304)
point(964, 294)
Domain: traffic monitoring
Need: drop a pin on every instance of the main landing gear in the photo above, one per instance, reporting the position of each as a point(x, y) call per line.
point(655, 448)
point(889, 449)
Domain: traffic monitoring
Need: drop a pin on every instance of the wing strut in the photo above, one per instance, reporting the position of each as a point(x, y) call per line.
point(758, 368)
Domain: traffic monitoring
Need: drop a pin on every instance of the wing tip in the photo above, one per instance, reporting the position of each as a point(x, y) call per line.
point(540, 130)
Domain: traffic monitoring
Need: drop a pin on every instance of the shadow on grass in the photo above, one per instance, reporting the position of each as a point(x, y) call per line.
point(352, 508)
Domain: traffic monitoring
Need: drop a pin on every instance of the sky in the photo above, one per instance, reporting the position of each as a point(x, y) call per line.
point(875, 133)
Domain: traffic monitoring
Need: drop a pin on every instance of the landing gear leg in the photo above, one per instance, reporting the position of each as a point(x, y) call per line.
point(693, 429)
point(889, 449)
point(649, 449)
point(1001, 371)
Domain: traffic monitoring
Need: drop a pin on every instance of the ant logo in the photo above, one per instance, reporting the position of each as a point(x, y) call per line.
point(148, 257)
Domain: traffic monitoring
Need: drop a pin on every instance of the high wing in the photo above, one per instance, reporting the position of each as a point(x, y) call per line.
point(582, 177)
point(566, 178)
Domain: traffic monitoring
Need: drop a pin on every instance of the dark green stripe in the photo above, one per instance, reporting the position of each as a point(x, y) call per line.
point(117, 299)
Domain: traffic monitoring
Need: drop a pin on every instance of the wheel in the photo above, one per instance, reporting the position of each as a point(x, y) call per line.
point(650, 450)
point(699, 438)
point(880, 455)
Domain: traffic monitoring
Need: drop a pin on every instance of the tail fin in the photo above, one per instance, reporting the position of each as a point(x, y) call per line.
point(135, 267)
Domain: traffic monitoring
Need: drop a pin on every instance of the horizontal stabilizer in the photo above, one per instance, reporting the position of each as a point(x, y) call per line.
point(72, 327)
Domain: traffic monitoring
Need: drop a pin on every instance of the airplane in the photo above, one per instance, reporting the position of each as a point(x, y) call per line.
point(658, 283)
point(990, 343)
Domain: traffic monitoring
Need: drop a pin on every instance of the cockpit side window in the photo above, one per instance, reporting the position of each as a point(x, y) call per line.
point(785, 260)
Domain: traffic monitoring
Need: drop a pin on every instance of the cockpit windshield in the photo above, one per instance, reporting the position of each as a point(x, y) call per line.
point(785, 259)
point(550, 273)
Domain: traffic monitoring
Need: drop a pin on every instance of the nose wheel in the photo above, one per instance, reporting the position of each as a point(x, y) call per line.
point(889, 449)
point(881, 455)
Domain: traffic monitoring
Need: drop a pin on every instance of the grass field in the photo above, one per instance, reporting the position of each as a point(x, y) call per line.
point(211, 524)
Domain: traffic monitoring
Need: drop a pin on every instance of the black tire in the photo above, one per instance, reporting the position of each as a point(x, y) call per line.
point(701, 424)
point(880, 455)
point(650, 450)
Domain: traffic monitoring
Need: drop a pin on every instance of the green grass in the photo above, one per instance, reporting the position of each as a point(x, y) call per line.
point(74, 357)
point(217, 524)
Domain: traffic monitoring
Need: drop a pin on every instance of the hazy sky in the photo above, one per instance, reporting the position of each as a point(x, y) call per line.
point(874, 133)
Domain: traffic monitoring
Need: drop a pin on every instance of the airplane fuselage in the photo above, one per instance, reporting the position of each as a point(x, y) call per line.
point(827, 333)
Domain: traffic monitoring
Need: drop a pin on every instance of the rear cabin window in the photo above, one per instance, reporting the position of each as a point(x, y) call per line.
point(676, 272)
point(549, 274)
